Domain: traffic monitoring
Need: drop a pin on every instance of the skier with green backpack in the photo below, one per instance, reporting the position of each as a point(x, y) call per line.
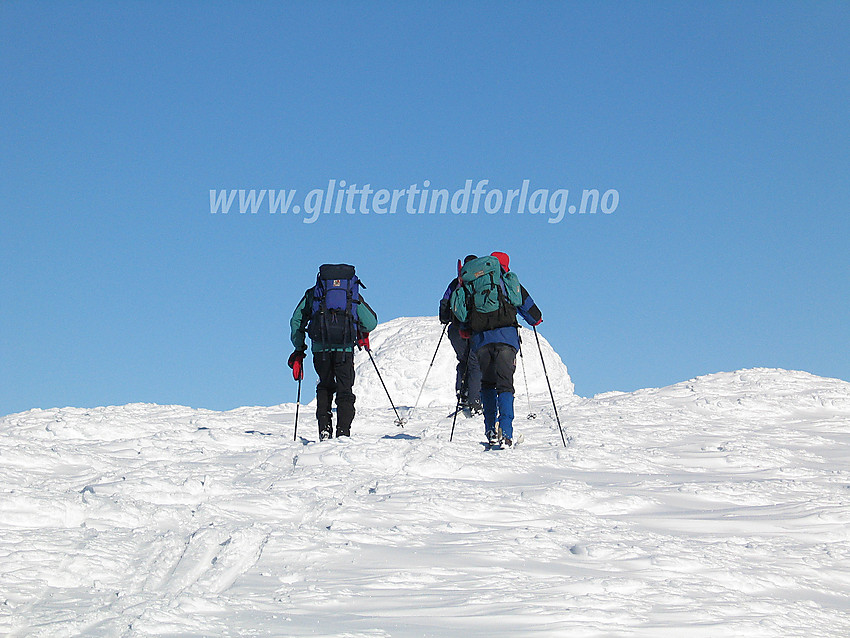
point(487, 300)
point(336, 318)
point(468, 377)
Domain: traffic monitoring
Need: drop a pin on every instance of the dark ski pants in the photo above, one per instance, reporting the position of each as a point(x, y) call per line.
point(468, 379)
point(336, 376)
point(498, 363)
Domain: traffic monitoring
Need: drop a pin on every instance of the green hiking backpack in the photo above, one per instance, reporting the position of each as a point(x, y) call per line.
point(489, 298)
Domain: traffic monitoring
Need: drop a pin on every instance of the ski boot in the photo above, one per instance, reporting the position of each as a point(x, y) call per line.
point(495, 438)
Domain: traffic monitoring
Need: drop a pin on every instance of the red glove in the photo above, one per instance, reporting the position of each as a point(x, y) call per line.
point(363, 341)
point(464, 334)
point(295, 362)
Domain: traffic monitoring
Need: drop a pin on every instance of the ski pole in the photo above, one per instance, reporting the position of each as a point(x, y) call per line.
point(297, 406)
point(454, 418)
point(549, 385)
point(442, 334)
point(531, 415)
point(460, 394)
point(398, 420)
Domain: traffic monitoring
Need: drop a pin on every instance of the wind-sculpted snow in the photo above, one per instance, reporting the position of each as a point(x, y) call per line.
point(403, 349)
point(715, 507)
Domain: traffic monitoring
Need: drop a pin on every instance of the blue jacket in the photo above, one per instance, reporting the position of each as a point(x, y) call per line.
point(528, 310)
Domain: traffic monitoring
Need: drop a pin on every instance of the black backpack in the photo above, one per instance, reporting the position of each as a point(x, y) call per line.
point(333, 313)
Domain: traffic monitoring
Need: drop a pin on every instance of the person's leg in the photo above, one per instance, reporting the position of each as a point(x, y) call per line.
point(461, 348)
point(486, 360)
point(505, 403)
point(325, 388)
point(504, 367)
point(344, 369)
point(473, 381)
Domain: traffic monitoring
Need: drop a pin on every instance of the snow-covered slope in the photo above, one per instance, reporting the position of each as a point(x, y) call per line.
point(403, 349)
point(715, 507)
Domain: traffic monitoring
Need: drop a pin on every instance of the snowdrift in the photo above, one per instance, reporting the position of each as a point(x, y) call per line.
point(403, 348)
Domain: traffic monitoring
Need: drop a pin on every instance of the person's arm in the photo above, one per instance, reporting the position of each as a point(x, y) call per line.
point(298, 322)
point(528, 309)
point(366, 317)
point(446, 315)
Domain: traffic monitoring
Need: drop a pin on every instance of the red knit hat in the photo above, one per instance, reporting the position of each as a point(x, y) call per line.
point(503, 259)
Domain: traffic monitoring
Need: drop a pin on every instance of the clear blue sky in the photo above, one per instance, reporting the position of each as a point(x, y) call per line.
point(722, 126)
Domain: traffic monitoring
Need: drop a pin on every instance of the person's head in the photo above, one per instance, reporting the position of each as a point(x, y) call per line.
point(504, 260)
point(469, 258)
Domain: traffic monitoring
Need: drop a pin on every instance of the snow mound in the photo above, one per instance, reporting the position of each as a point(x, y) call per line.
point(403, 348)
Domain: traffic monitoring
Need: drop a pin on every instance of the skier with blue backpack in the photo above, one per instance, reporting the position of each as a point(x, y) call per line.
point(487, 299)
point(336, 318)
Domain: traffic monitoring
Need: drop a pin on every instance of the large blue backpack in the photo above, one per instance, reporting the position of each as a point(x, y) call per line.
point(334, 316)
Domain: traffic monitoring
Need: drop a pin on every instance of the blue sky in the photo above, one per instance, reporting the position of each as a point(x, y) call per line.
point(722, 126)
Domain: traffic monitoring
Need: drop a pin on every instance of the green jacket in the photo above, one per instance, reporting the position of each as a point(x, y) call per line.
point(301, 319)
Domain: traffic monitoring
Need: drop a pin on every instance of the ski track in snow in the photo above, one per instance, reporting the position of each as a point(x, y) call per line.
point(714, 507)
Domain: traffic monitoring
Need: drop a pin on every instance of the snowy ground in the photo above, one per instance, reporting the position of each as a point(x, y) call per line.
point(714, 507)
